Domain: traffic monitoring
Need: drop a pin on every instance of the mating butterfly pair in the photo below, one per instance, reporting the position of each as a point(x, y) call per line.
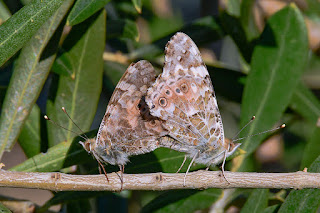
point(180, 103)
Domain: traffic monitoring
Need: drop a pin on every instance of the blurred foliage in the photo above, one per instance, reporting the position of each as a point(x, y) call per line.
point(56, 53)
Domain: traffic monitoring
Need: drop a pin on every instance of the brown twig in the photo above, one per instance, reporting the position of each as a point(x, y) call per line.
point(159, 181)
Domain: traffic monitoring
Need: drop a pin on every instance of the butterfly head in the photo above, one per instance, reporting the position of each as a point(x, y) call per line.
point(88, 145)
point(232, 147)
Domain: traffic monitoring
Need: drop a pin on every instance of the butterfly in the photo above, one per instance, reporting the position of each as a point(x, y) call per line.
point(183, 98)
point(127, 127)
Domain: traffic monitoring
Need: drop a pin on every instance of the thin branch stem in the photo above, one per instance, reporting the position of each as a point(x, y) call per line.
point(159, 181)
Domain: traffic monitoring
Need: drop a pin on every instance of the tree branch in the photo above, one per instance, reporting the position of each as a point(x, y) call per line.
point(158, 181)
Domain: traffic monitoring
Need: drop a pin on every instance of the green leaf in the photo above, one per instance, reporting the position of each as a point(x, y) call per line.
point(305, 103)
point(257, 201)
point(277, 64)
point(60, 156)
point(123, 28)
point(271, 209)
point(248, 19)
point(62, 66)
point(30, 73)
point(83, 9)
point(233, 7)
point(138, 5)
point(312, 149)
point(4, 12)
point(25, 2)
point(305, 200)
point(79, 92)
point(18, 29)
point(30, 137)
point(183, 201)
point(313, 8)
point(232, 26)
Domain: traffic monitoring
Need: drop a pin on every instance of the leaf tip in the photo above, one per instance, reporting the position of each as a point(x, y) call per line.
point(293, 5)
point(138, 9)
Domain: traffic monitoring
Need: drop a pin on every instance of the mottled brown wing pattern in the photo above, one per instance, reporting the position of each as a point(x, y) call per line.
point(183, 97)
point(127, 127)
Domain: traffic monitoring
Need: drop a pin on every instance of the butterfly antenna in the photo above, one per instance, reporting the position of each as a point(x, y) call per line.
point(245, 126)
point(65, 111)
point(271, 130)
point(48, 119)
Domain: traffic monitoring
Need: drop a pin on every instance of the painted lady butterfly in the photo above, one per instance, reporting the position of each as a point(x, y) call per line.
point(183, 98)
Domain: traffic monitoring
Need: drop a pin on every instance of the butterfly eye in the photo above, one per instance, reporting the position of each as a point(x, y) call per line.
point(178, 90)
point(168, 92)
point(87, 147)
point(184, 88)
point(163, 102)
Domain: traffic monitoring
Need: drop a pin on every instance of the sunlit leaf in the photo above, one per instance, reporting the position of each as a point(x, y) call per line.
point(79, 92)
point(277, 64)
point(256, 202)
point(83, 9)
point(30, 73)
point(18, 29)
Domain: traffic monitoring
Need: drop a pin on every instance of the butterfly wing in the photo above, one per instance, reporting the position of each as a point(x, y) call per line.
point(184, 98)
point(127, 127)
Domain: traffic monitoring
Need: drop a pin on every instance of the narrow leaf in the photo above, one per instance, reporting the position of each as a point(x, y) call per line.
point(138, 5)
point(30, 73)
point(305, 103)
point(305, 200)
point(256, 202)
point(4, 12)
point(18, 29)
point(123, 28)
point(271, 209)
point(312, 149)
point(183, 201)
point(30, 137)
point(248, 19)
point(60, 156)
point(83, 9)
point(277, 64)
point(79, 92)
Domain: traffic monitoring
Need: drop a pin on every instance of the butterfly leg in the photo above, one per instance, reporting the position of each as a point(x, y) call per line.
point(184, 160)
point(185, 176)
point(104, 171)
point(121, 167)
point(223, 163)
